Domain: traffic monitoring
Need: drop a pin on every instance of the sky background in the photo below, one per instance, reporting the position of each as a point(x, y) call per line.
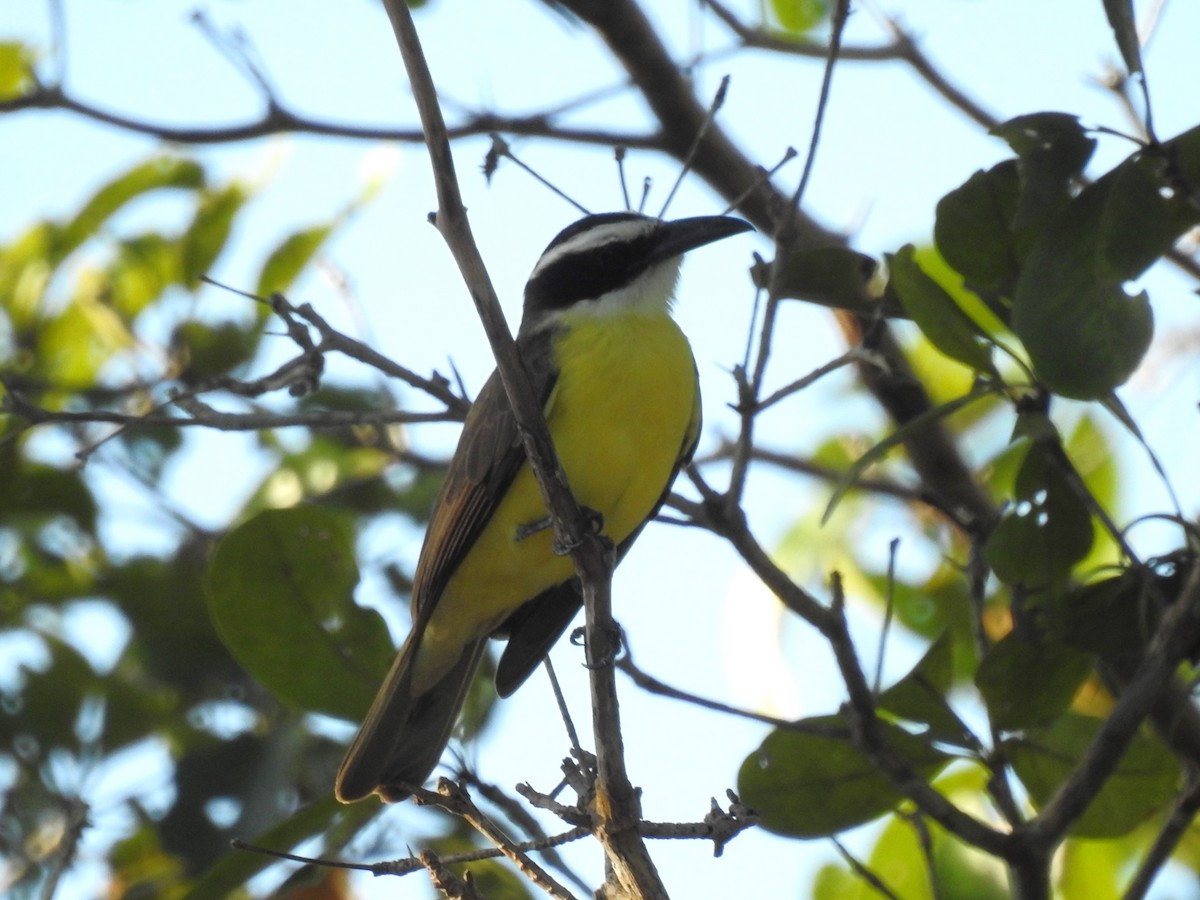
point(890, 150)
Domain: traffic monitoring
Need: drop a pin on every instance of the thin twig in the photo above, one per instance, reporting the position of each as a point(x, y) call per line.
point(454, 799)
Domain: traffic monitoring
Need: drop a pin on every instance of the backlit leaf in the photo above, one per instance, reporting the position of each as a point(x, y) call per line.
point(1144, 782)
point(1027, 682)
point(808, 785)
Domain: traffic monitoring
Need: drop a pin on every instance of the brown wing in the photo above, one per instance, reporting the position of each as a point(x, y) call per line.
point(487, 459)
point(537, 625)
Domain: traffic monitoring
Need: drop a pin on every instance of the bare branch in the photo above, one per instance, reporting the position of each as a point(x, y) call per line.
point(282, 121)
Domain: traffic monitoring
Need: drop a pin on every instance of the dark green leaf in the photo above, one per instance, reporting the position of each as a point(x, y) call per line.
point(936, 313)
point(205, 237)
point(1146, 190)
point(1047, 529)
point(1110, 617)
point(1085, 334)
point(920, 696)
point(1120, 17)
point(1052, 149)
point(973, 231)
point(48, 705)
point(287, 261)
point(1027, 682)
point(1144, 782)
point(808, 785)
point(205, 351)
point(35, 493)
point(279, 593)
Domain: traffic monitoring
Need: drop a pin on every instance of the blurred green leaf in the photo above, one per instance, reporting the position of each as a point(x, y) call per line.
point(285, 263)
point(25, 269)
point(205, 351)
point(35, 493)
point(280, 593)
point(16, 70)
point(920, 696)
point(153, 174)
point(48, 704)
point(74, 345)
point(808, 785)
point(1124, 26)
point(1030, 682)
point(205, 237)
point(144, 266)
point(937, 314)
point(1143, 784)
point(800, 16)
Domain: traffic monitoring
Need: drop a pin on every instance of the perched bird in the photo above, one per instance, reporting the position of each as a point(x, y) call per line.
point(619, 391)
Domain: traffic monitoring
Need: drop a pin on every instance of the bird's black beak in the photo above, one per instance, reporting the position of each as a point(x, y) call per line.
point(678, 237)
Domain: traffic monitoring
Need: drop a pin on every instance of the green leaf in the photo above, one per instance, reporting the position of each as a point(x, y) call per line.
point(809, 785)
point(927, 863)
point(205, 237)
point(1143, 784)
point(920, 696)
point(48, 705)
point(1112, 617)
point(205, 351)
point(279, 593)
point(16, 70)
point(1047, 529)
point(153, 174)
point(26, 266)
point(73, 346)
point(1085, 334)
point(1120, 17)
point(285, 263)
point(143, 268)
point(35, 493)
point(973, 229)
point(1052, 149)
point(1029, 682)
point(937, 314)
point(800, 16)
point(1149, 189)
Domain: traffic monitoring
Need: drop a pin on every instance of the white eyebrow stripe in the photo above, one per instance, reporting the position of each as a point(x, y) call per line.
point(594, 238)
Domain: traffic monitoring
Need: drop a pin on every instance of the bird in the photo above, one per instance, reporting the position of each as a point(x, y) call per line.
point(618, 386)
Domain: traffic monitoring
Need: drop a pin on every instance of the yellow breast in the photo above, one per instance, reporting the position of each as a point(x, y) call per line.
point(625, 403)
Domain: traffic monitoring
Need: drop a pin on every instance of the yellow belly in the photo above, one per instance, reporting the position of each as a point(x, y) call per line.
point(625, 402)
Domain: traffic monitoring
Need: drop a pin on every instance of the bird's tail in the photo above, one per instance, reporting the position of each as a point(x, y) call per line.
point(403, 736)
